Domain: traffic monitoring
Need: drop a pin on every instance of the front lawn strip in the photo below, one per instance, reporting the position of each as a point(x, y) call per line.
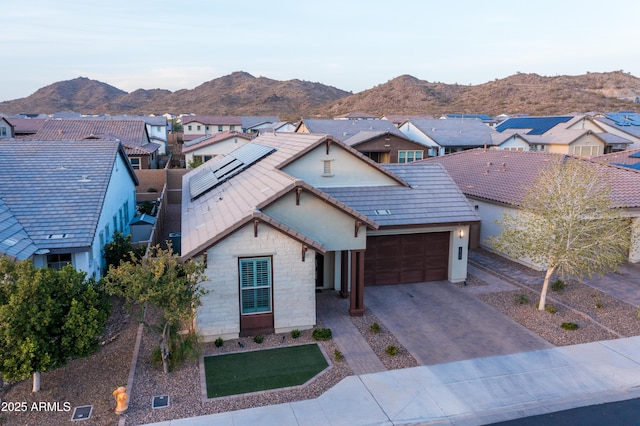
point(244, 372)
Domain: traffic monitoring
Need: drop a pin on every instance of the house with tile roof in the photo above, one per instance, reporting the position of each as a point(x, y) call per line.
point(625, 124)
point(496, 181)
point(486, 119)
point(629, 158)
point(57, 210)
point(575, 135)
point(142, 153)
point(6, 129)
point(288, 214)
point(378, 139)
point(252, 123)
point(25, 127)
point(197, 126)
point(201, 150)
point(447, 136)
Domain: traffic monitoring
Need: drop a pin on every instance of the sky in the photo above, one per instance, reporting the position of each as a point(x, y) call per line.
point(353, 45)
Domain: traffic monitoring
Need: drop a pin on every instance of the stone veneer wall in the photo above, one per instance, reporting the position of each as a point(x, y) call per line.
point(294, 302)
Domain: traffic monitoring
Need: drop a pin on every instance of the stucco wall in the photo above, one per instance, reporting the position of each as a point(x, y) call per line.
point(294, 301)
point(319, 221)
point(347, 169)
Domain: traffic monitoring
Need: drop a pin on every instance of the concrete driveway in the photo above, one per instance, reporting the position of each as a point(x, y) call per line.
point(440, 322)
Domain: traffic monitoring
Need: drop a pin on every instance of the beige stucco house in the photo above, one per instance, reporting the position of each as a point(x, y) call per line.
point(286, 215)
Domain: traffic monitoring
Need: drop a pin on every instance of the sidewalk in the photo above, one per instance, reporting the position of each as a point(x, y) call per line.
point(472, 392)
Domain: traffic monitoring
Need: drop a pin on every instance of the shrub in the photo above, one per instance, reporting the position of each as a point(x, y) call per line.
point(569, 326)
point(375, 327)
point(259, 338)
point(522, 299)
point(558, 285)
point(550, 309)
point(146, 207)
point(182, 348)
point(392, 350)
point(295, 333)
point(338, 355)
point(321, 334)
point(219, 342)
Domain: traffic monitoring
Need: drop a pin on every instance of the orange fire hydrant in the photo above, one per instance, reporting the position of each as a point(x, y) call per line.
point(122, 400)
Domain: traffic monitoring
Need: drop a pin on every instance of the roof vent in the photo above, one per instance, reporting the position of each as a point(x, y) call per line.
point(84, 179)
point(56, 236)
point(382, 212)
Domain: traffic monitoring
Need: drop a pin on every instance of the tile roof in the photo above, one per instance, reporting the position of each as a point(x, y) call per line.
point(356, 115)
point(344, 129)
point(132, 133)
point(58, 188)
point(26, 125)
point(532, 125)
point(249, 121)
point(504, 176)
point(231, 205)
point(14, 240)
point(367, 135)
point(621, 157)
point(433, 198)
point(213, 139)
point(227, 207)
point(454, 132)
point(213, 120)
point(398, 119)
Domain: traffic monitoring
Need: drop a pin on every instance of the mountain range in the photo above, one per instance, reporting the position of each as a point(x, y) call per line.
point(240, 93)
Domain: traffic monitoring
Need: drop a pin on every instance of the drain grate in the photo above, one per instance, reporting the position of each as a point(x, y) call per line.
point(160, 401)
point(82, 413)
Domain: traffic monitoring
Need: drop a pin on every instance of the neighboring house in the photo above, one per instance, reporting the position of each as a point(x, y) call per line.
point(252, 124)
point(448, 136)
point(623, 124)
point(495, 182)
point(630, 158)
point(142, 153)
point(203, 149)
point(197, 126)
point(486, 119)
point(58, 210)
point(25, 127)
point(344, 129)
point(575, 135)
point(385, 147)
point(6, 129)
point(280, 127)
point(288, 214)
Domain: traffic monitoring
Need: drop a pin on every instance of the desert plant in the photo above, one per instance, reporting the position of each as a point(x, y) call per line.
point(550, 309)
point(218, 342)
point(295, 333)
point(375, 328)
point(522, 299)
point(558, 285)
point(338, 355)
point(391, 350)
point(321, 334)
point(569, 326)
point(258, 338)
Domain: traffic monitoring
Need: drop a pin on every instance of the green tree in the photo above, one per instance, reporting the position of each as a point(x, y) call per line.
point(120, 248)
point(567, 223)
point(161, 281)
point(46, 317)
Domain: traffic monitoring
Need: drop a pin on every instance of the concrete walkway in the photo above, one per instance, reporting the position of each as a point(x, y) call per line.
point(332, 311)
point(471, 392)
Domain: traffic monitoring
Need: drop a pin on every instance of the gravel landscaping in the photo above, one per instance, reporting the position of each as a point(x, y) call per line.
point(91, 381)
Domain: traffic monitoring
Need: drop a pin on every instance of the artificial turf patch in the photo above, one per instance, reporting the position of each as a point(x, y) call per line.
point(234, 374)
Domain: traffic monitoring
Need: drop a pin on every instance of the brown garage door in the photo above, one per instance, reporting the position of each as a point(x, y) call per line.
point(410, 258)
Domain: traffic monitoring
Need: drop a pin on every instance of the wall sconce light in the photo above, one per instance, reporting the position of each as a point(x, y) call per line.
point(461, 233)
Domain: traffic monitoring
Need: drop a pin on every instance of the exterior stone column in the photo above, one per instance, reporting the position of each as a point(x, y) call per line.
point(356, 307)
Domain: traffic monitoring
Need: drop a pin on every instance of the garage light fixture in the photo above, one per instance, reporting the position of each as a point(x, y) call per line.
point(461, 233)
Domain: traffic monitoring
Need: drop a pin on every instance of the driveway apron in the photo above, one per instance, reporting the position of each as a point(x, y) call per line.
point(440, 322)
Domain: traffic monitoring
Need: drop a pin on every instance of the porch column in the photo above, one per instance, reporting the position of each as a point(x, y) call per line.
point(356, 307)
point(344, 274)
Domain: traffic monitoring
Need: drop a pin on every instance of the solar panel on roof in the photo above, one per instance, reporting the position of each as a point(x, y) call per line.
point(226, 168)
